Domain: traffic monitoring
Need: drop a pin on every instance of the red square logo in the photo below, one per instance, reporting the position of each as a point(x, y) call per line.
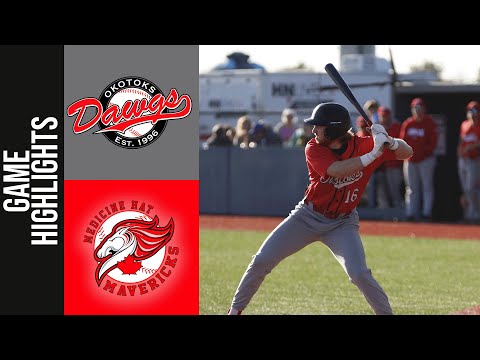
point(131, 247)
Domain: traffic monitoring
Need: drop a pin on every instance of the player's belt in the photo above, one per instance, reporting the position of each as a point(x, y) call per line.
point(326, 213)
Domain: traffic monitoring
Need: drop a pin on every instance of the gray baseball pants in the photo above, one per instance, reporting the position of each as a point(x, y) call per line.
point(302, 227)
point(419, 186)
point(469, 174)
point(388, 183)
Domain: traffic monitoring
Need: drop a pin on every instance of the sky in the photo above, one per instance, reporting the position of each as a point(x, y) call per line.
point(459, 62)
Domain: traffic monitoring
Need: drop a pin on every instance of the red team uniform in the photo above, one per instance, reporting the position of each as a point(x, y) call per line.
point(388, 177)
point(393, 131)
point(421, 136)
point(469, 162)
point(328, 211)
point(420, 132)
point(332, 196)
point(469, 134)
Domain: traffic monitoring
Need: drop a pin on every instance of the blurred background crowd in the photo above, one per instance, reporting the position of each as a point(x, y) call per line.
point(248, 134)
point(248, 108)
point(405, 184)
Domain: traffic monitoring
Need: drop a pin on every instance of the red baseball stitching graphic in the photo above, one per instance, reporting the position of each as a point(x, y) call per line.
point(142, 93)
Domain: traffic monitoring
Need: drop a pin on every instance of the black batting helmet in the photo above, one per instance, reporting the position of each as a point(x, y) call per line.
point(334, 116)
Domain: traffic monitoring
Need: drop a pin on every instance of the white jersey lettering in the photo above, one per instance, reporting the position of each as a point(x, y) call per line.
point(470, 138)
point(342, 182)
point(414, 132)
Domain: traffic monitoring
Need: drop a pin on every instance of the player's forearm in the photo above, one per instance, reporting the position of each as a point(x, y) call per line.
point(404, 151)
point(352, 166)
point(345, 167)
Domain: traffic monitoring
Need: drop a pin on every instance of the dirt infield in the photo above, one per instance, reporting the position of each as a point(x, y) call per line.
point(475, 310)
point(385, 228)
point(367, 227)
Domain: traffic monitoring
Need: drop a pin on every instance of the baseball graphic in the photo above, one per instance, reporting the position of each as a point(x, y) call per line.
point(127, 101)
point(132, 94)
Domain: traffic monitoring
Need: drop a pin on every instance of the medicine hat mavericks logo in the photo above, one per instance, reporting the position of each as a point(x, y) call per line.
point(134, 252)
point(131, 112)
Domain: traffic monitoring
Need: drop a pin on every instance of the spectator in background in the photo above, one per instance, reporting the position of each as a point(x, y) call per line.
point(468, 152)
point(242, 132)
point(420, 132)
point(230, 132)
point(371, 108)
point(286, 127)
point(362, 127)
point(263, 135)
point(301, 136)
point(368, 196)
point(388, 177)
point(218, 137)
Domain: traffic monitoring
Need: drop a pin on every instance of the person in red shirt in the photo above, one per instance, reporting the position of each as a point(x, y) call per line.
point(339, 165)
point(362, 127)
point(388, 177)
point(420, 132)
point(468, 152)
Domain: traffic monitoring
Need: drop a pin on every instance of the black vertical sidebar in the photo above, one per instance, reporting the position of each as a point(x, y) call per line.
point(32, 259)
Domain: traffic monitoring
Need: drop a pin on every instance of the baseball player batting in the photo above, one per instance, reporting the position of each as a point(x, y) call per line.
point(339, 166)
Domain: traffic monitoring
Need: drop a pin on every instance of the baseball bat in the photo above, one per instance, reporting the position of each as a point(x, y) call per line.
point(345, 89)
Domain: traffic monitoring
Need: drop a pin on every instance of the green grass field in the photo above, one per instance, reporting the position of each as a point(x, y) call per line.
point(420, 276)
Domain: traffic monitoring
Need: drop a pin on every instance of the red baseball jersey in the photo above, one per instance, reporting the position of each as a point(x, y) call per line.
point(333, 196)
point(393, 131)
point(421, 136)
point(362, 133)
point(469, 134)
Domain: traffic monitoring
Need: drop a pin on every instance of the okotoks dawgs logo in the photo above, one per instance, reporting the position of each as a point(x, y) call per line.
point(131, 112)
point(133, 251)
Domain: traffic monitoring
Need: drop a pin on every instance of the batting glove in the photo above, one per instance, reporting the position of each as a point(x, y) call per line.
point(376, 129)
point(380, 139)
point(378, 142)
point(388, 140)
point(394, 145)
point(377, 150)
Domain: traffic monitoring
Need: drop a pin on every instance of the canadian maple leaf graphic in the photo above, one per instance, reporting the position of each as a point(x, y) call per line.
point(129, 266)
